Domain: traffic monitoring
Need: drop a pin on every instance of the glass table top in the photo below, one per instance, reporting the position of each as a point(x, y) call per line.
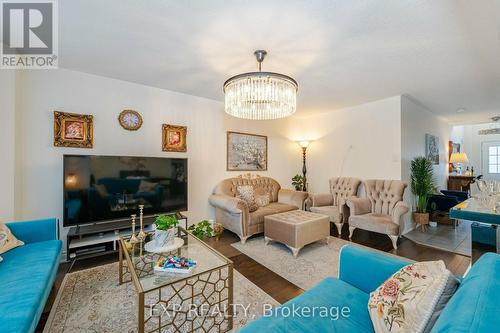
point(473, 209)
point(143, 262)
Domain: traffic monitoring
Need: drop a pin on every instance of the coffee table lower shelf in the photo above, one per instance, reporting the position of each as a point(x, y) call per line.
point(200, 302)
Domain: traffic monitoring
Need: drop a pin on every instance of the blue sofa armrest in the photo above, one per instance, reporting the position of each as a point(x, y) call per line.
point(366, 269)
point(36, 230)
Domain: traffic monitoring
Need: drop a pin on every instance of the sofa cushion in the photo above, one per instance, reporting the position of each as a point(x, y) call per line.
point(331, 211)
point(27, 273)
point(330, 293)
point(257, 217)
point(474, 307)
point(245, 193)
point(374, 222)
point(7, 240)
point(412, 299)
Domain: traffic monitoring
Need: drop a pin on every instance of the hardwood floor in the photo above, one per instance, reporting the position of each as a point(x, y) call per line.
point(279, 288)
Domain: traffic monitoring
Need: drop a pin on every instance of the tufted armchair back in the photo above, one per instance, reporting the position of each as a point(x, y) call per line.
point(260, 185)
point(384, 194)
point(342, 188)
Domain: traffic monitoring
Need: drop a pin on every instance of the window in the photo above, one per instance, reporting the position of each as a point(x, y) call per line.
point(494, 159)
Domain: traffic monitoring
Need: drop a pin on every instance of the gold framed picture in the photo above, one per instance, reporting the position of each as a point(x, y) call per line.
point(73, 130)
point(174, 138)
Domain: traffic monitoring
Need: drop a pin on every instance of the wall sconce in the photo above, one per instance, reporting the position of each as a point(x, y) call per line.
point(304, 144)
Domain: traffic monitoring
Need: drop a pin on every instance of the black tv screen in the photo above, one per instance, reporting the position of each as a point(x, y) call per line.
point(102, 188)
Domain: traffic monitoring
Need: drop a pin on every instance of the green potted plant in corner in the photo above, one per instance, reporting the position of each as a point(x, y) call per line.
point(165, 230)
point(422, 184)
point(298, 182)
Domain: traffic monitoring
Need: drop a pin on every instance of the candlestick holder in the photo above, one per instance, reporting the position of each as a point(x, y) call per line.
point(142, 234)
point(133, 238)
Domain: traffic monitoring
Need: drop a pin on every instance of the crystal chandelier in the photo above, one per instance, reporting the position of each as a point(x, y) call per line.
point(260, 95)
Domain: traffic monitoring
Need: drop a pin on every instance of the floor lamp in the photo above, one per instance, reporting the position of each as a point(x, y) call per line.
point(304, 144)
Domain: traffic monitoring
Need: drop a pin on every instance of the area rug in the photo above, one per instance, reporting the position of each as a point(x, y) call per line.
point(92, 301)
point(314, 262)
point(445, 237)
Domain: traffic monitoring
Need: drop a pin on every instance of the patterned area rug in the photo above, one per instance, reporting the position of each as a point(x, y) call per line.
point(314, 262)
point(92, 301)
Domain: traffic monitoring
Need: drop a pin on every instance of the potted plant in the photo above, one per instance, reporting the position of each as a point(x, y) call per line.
point(201, 229)
point(298, 182)
point(422, 184)
point(165, 230)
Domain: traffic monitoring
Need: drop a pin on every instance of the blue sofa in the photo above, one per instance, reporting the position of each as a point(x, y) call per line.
point(27, 274)
point(474, 307)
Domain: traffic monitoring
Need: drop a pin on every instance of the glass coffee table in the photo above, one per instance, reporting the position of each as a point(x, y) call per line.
point(201, 300)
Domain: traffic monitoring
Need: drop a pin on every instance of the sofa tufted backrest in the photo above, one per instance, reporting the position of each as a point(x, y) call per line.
point(342, 188)
point(260, 185)
point(384, 194)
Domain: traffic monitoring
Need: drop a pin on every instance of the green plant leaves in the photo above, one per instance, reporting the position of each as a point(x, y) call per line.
point(165, 222)
point(421, 181)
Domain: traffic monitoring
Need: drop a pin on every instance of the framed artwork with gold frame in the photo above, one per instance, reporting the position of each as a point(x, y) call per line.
point(73, 130)
point(174, 138)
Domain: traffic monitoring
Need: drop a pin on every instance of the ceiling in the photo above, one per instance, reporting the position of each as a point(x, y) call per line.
point(445, 53)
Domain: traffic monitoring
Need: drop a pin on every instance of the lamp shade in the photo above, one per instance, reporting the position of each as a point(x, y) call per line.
point(304, 143)
point(459, 158)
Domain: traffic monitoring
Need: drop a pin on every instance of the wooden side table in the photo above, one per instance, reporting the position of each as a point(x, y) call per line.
point(459, 183)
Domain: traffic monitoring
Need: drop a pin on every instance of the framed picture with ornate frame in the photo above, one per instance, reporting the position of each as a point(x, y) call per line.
point(246, 152)
point(174, 138)
point(73, 130)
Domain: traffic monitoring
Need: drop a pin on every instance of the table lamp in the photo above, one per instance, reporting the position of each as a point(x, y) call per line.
point(460, 159)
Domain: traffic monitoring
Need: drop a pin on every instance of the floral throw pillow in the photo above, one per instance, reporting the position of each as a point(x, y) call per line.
point(245, 193)
point(7, 240)
point(412, 298)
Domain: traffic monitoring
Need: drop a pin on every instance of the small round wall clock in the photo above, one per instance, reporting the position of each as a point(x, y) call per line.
point(130, 120)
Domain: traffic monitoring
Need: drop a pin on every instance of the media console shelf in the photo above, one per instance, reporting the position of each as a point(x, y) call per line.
point(93, 240)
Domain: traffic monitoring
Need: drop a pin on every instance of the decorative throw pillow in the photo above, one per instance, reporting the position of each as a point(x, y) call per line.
point(145, 186)
point(245, 193)
point(262, 199)
point(412, 299)
point(7, 240)
point(101, 190)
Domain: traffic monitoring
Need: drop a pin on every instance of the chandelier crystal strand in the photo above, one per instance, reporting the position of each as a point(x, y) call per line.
point(260, 95)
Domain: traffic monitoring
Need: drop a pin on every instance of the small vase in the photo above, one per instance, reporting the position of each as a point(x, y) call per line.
point(164, 238)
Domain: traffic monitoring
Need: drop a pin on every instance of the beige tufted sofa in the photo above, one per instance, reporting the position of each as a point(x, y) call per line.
point(381, 210)
point(233, 213)
point(333, 204)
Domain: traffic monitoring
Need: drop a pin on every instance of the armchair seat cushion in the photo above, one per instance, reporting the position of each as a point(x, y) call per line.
point(332, 211)
point(374, 222)
point(257, 217)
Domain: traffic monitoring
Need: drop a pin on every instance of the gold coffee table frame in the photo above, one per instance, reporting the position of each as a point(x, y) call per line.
point(208, 286)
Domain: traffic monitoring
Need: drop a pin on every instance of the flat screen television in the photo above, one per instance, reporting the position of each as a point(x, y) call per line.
point(110, 188)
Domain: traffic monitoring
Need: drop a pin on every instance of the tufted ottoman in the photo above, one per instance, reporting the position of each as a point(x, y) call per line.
point(296, 229)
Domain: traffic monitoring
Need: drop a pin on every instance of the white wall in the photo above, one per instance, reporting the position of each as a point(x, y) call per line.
point(7, 143)
point(40, 163)
point(416, 121)
point(362, 141)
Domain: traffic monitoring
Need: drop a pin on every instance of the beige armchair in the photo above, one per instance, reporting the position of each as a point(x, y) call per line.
point(333, 204)
point(233, 213)
point(382, 209)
